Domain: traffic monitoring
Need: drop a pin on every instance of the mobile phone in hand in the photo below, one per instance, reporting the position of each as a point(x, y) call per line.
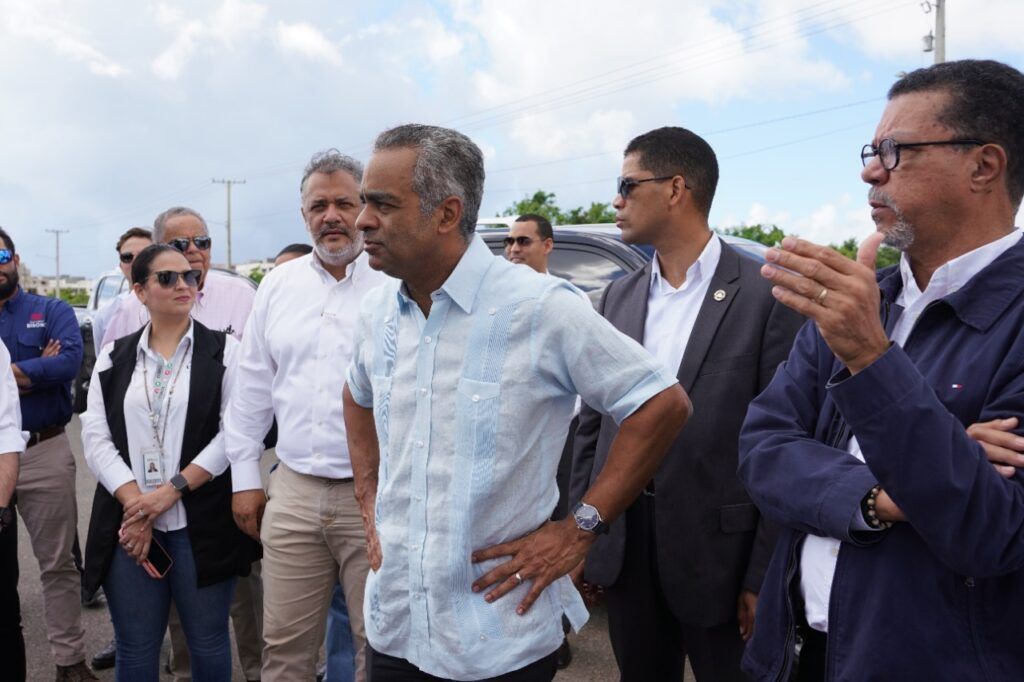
point(158, 562)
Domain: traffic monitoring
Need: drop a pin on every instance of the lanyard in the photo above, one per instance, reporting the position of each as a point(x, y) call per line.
point(159, 388)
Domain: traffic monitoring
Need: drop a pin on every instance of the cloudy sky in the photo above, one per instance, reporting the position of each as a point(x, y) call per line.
point(112, 111)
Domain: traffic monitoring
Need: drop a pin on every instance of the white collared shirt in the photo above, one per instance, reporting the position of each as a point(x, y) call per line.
point(102, 455)
point(12, 438)
point(819, 554)
point(671, 312)
point(297, 346)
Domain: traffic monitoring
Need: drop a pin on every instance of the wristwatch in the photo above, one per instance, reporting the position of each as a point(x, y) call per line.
point(6, 517)
point(180, 484)
point(589, 519)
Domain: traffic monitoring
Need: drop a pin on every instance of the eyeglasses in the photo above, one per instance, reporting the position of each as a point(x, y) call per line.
point(522, 241)
point(168, 279)
point(126, 257)
point(6, 256)
point(626, 185)
point(181, 243)
point(888, 150)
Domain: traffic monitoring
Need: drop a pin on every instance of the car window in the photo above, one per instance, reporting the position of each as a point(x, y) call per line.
point(107, 289)
point(589, 270)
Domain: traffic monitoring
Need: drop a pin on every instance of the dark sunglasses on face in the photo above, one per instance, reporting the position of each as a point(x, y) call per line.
point(181, 243)
point(126, 257)
point(522, 241)
point(626, 185)
point(168, 279)
point(6, 256)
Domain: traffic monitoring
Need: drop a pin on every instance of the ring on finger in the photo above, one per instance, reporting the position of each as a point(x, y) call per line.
point(141, 514)
point(821, 296)
point(519, 578)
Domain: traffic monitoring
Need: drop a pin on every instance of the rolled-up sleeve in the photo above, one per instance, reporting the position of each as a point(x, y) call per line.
point(358, 378)
point(583, 352)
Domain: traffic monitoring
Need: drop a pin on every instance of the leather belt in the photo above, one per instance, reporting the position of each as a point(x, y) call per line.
point(37, 437)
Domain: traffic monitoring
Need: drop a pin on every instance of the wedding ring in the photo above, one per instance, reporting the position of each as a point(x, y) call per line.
point(519, 578)
point(821, 297)
point(141, 514)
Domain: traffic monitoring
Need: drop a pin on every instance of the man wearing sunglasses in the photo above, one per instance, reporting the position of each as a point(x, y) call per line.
point(682, 568)
point(530, 241)
point(223, 302)
point(902, 553)
point(129, 244)
point(43, 339)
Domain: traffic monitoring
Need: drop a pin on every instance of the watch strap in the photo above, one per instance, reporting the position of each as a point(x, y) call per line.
point(180, 484)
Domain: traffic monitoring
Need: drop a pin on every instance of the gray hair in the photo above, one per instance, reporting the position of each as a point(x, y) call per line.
point(330, 161)
point(160, 224)
point(449, 164)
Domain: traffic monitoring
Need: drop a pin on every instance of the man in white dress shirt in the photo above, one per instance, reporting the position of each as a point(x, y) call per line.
point(296, 348)
point(12, 444)
point(129, 244)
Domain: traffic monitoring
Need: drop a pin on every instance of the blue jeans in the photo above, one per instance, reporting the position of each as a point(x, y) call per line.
point(341, 665)
point(139, 605)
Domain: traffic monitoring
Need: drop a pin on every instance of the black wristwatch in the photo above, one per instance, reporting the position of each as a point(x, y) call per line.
point(180, 484)
point(589, 519)
point(6, 517)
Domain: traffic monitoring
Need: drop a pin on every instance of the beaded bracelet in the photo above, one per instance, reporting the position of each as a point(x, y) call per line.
point(867, 508)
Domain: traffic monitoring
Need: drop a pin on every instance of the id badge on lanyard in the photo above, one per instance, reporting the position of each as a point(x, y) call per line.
point(153, 466)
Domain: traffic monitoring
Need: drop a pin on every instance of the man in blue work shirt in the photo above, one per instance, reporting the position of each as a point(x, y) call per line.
point(45, 344)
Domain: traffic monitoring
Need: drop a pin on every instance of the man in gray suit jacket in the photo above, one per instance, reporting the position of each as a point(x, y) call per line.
point(683, 566)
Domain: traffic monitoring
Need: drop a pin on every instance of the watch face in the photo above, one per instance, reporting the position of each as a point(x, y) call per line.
point(587, 517)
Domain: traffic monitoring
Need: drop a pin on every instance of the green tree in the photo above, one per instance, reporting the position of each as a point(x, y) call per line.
point(544, 203)
point(74, 296)
point(257, 275)
point(597, 213)
point(886, 254)
point(769, 236)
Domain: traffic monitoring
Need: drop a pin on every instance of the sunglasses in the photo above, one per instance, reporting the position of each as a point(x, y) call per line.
point(6, 256)
point(126, 257)
point(626, 185)
point(522, 241)
point(168, 279)
point(181, 243)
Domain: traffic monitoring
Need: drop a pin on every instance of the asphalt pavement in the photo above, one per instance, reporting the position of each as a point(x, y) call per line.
point(592, 661)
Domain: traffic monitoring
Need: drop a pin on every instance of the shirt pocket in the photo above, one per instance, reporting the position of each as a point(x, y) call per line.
point(476, 434)
point(31, 341)
point(729, 364)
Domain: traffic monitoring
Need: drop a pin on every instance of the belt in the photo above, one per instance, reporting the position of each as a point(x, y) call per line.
point(37, 437)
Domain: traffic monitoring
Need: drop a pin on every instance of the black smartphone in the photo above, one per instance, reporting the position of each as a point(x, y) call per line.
point(158, 562)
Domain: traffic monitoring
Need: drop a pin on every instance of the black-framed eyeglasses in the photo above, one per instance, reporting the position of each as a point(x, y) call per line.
point(625, 185)
point(6, 256)
point(522, 241)
point(168, 279)
point(126, 257)
point(888, 150)
point(181, 243)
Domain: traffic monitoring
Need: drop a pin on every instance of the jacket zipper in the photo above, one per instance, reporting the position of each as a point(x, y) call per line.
point(790, 645)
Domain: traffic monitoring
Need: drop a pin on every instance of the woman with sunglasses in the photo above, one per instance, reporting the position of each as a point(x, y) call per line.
point(161, 528)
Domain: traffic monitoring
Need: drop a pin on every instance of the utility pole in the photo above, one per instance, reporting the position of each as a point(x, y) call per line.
point(57, 234)
point(228, 184)
point(936, 42)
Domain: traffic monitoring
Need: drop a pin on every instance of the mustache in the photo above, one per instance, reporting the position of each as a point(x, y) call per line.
point(878, 196)
point(335, 227)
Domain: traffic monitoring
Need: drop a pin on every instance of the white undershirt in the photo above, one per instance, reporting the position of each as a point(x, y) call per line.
point(671, 312)
point(818, 558)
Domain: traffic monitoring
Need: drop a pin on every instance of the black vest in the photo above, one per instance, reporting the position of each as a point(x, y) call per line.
point(220, 549)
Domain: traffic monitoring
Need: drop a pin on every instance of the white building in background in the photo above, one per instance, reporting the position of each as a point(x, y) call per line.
point(249, 267)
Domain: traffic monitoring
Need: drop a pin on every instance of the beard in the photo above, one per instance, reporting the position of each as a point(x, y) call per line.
point(338, 256)
point(901, 235)
point(10, 285)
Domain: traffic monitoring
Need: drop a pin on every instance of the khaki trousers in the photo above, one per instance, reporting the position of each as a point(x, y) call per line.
point(312, 535)
point(247, 620)
point(49, 508)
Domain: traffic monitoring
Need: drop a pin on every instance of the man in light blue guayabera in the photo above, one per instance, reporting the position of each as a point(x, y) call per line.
point(465, 373)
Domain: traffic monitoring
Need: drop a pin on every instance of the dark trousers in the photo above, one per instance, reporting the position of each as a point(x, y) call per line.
point(383, 668)
point(650, 644)
point(12, 642)
point(811, 666)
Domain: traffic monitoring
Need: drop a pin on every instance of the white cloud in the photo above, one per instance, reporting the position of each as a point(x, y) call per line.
point(229, 24)
point(307, 41)
point(545, 135)
point(44, 24)
point(830, 223)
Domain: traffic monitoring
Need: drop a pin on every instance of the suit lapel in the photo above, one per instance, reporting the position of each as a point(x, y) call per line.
point(632, 311)
point(719, 297)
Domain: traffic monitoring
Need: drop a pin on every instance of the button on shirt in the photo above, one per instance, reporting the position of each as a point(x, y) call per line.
point(470, 406)
point(222, 305)
point(292, 364)
point(102, 455)
point(27, 323)
point(819, 554)
point(671, 312)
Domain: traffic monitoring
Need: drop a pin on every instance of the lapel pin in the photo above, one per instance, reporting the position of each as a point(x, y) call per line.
point(719, 295)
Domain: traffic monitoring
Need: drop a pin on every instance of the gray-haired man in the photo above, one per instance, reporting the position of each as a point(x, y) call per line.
point(295, 350)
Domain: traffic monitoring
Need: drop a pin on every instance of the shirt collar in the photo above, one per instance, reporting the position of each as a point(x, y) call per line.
point(145, 350)
point(954, 274)
point(354, 270)
point(467, 277)
point(701, 268)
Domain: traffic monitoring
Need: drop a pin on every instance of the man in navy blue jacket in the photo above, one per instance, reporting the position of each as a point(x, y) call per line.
point(45, 344)
point(904, 546)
